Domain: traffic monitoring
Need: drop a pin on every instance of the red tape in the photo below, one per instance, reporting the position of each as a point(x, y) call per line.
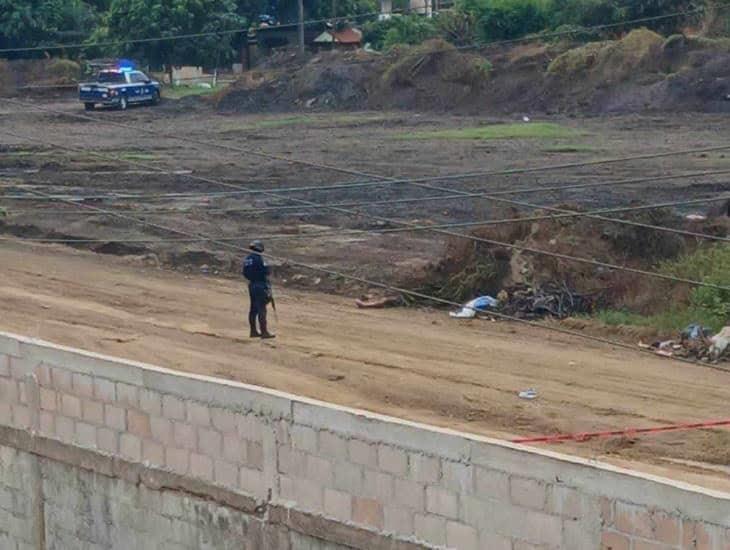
point(585, 436)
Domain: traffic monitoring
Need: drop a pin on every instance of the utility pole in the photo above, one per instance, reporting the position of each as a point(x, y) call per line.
point(301, 27)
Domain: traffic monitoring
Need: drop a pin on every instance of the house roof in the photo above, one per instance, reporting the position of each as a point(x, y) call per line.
point(345, 36)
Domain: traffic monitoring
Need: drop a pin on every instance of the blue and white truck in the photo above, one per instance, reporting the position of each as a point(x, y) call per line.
point(119, 86)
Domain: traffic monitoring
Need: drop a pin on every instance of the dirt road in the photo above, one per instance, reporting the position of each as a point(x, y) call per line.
point(413, 364)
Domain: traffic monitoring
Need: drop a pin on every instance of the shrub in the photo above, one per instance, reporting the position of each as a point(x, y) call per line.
point(407, 29)
point(505, 19)
point(459, 28)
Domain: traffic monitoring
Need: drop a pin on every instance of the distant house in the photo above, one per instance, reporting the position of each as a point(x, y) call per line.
point(422, 7)
point(347, 38)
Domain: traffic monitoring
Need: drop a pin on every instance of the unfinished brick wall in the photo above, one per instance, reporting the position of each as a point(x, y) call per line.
point(362, 472)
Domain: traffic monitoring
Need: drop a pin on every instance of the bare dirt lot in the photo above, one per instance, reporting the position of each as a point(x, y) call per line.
point(150, 168)
point(412, 363)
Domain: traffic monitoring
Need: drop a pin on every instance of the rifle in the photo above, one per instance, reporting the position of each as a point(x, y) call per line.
point(273, 305)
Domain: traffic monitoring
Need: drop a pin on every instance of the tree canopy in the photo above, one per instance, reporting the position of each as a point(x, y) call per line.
point(31, 23)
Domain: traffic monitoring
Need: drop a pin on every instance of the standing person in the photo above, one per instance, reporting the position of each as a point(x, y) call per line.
point(259, 290)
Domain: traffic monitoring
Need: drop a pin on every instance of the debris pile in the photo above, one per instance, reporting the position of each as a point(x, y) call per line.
point(695, 342)
point(555, 300)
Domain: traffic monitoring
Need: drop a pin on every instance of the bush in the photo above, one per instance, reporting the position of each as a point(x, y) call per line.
point(505, 19)
point(457, 27)
point(407, 29)
point(586, 13)
point(710, 264)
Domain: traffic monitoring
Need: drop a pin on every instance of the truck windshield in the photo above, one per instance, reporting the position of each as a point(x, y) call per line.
point(109, 77)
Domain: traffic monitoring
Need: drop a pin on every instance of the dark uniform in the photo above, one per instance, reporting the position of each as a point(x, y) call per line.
point(259, 290)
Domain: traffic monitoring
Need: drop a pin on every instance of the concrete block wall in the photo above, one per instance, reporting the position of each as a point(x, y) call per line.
point(303, 462)
point(84, 510)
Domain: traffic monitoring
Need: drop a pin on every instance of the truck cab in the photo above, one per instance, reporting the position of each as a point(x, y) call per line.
point(119, 87)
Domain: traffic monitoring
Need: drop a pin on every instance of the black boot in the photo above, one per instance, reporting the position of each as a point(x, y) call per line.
point(265, 334)
point(252, 323)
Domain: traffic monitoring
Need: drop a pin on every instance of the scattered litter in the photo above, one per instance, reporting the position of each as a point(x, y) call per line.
point(550, 300)
point(528, 394)
point(695, 217)
point(376, 302)
point(205, 85)
point(720, 343)
point(525, 118)
point(695, 332)
point(696, 342)
point(470, 309)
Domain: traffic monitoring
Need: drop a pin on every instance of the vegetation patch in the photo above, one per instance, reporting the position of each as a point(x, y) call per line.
point(179, 92)
point(704, 305)
point(615, 59)
point(138, 155)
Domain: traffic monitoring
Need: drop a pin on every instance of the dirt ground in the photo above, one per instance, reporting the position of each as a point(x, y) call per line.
point(414, 364)
point(371, 142)
point(411, 363)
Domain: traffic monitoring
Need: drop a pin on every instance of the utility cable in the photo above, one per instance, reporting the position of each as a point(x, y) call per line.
point(474, 238)
point(374, 180)
point(383, 231)
point(167, 38)
point(452, 195)
point(463, 194)
point(385, 286)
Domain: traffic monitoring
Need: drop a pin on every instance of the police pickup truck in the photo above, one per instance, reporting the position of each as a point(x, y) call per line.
point(119, 87)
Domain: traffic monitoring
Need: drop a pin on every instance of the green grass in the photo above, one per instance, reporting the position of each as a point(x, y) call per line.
point(524, 130)
point(133, 155)
point(707, 306)
point(671, 321)
point(281, 122)
point(178, 92)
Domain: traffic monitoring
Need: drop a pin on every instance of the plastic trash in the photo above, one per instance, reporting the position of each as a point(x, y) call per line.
point(695, 332)
point(720, 343)
point(469, 310)
point(528, 394)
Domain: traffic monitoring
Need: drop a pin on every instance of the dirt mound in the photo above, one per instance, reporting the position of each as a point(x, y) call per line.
point(640, 72)
point(331, 80)
point(37, 72)
point(432, 76)
point(609, 61)
point(472, 268)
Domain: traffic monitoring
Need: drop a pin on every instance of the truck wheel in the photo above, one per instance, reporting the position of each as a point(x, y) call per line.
point(89, 106)
point(123, 103)
point(155, 98)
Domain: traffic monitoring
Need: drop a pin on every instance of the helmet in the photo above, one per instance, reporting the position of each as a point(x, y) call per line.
point(257, 246)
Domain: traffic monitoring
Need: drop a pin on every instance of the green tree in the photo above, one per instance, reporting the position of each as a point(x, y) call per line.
point(31, 23)
point(504, 19)
point(406, 29)
point(136, 19)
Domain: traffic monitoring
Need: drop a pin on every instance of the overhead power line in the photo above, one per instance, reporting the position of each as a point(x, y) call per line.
point(474, 238)
point(449, 190)
point(452, 195)
point(384, 231)
point(385, 286)
point(186, 36)
point(371, 180)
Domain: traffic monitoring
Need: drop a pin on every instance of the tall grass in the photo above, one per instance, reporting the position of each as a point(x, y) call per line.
point(707, 306)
